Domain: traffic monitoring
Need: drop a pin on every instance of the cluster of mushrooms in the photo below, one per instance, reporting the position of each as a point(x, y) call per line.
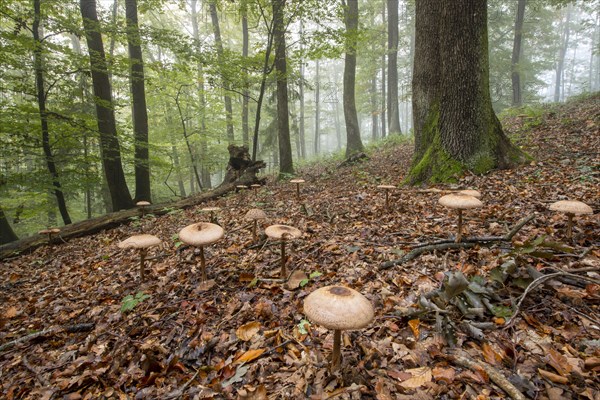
point(334, 307)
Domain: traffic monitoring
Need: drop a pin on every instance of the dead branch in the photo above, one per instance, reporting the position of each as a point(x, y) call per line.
point(450, 244)
point(47, 332)
point(462, 359)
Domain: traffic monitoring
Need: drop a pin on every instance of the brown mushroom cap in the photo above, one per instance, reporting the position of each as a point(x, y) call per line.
point(471, 192)
point(142, 203)
point(255, 185)
point(139, 242)
point(297, 180)
point(338, 307)
point(386, 187)
point(460, 201)
point(255, 213)
point(211, 209)
point(571, 207)
point(48, 231)
point(201, 234)
point(278, 231)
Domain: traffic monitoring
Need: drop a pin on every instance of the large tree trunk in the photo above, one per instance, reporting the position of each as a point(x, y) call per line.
point(383, 81)
point(7, 234)
point(317, 109)
point(41, 98)
point(515, 68)
point(286, 165)
point(246, 91)
point(560, 63)
point(455, 126)
point(138, 95)
point(109, 143)
point(226, 96)
point(301, 95)
point(392, 93)
point(353, 143)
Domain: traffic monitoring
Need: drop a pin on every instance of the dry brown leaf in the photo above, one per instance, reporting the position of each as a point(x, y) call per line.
point(295, 279)
point(420, 376)
point(11, 312)
point(559, 362)
point(250, 355)
point(246, 331)
point(445, 375)
point(414, 326)
point(553, 377)
point(490, 355)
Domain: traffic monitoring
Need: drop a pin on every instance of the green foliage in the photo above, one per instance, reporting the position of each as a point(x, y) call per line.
point(129, 302)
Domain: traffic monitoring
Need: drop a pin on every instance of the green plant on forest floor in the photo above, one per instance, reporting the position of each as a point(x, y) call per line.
point(129, 302)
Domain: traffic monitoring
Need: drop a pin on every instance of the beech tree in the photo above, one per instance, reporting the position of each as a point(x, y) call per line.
point(455, 126)
point(516, 55)
point(392, 92)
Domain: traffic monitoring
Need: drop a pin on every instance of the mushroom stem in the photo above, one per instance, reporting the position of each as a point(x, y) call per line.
point(336, 355)
point(283, 271)
point(254, 230)
point(570, 225)
point(142, 262)
point(298, 191)
point(460, 220)
point(202, 265)
point(387, 198)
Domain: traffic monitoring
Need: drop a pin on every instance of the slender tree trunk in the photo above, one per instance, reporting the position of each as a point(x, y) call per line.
point(186, 137)
point(374, 107)
point(138, 96)
point(301, 94)
point(317, 108)
point(7, 234)
point(455, 126)
point(393, 107)
point(338, 125)
point(246, 91)
point(560, 63)
point(353, 142)
point(283, 126)
point(226, 96)
point(41, 98)
point(383, 80)
point(109, 143)
point(515, 68)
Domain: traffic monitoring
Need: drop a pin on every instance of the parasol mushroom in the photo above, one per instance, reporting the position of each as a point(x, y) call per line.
point(142, 243)
point(143, 205)
point(338, 308)
point(213, 215)
point(255, 214)
point(471, 192)
point(571, 208)
point(199, 235)
point(284, 233)
point(387, 189)
point(459, 202)
point(255, 187)
point(49, 232)
point(297, 181)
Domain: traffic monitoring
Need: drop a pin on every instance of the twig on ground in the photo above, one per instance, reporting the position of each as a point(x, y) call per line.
point(47, 332)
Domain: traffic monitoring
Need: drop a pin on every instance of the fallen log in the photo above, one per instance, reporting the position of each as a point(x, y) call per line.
point(237, 174)
point(47, 332)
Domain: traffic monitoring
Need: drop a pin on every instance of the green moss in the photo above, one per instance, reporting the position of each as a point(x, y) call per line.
point(436, 166)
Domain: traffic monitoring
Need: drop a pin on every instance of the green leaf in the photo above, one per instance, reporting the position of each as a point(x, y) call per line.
point(502, 311)
point(129, 302)
point(315, 274)
point(303, 282)
point(303, 327)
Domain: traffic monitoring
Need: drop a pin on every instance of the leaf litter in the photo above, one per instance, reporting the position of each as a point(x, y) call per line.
point(244, 335)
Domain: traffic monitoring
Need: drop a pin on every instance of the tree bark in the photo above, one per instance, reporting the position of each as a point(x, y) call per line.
point(109, 142)
point(353, 143)
point(560, 63)
point(246, 91)
point(392, 93)
point(383, 80)
point(301, 95)
point(317, 108)
point(139, 111)
point(515, 68)
point(286, 165)
point(455, 126)
point(7, 235)
point(226, 96)
point(41, 99)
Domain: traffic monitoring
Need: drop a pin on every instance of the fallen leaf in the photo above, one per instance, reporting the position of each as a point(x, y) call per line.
point(445, 375)
point(414, 326)
point(420, 376)
point(295, 279)
point(552, 377)
point(246, 331)
point(250, 355)
point(11, 312)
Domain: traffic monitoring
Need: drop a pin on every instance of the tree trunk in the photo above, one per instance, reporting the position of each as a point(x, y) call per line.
point(41, 99)
point(317, 110)
point(246, 91)
point(560, 63)
point(383, 81)
point(283, 126)
point(515, 68)
point(353, 141)
point(301, 95)
point(109, 142)
point(138, 96)
point(455, 126)
point(392, 95)
point(226, 96)
point(374, 107)
point(7, 234)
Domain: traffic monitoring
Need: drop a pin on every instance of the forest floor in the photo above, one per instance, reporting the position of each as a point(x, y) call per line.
point(245, 336)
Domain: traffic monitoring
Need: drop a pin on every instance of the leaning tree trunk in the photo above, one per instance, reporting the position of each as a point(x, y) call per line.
point(392, 93)
point(283, 125)
point(353, 142)
point(41, 98)
point(138, 95)
point(455, 126)
point(226, 96)
point(515, 68)
point(109, 143)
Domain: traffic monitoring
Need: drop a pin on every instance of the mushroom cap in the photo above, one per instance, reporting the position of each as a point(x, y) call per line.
point(571, 207)
point(255, 185)
point(279, 231)
point(242, 187)
point(471, 192)
point(211, 209)
point(255, 213)
point(386, 187)
point(297, 180)
point(54, 230)
point(49, 230)
point(460, 201)
point(139, 242)
point(142, 203)
point(201, 233)
point(338, 307)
